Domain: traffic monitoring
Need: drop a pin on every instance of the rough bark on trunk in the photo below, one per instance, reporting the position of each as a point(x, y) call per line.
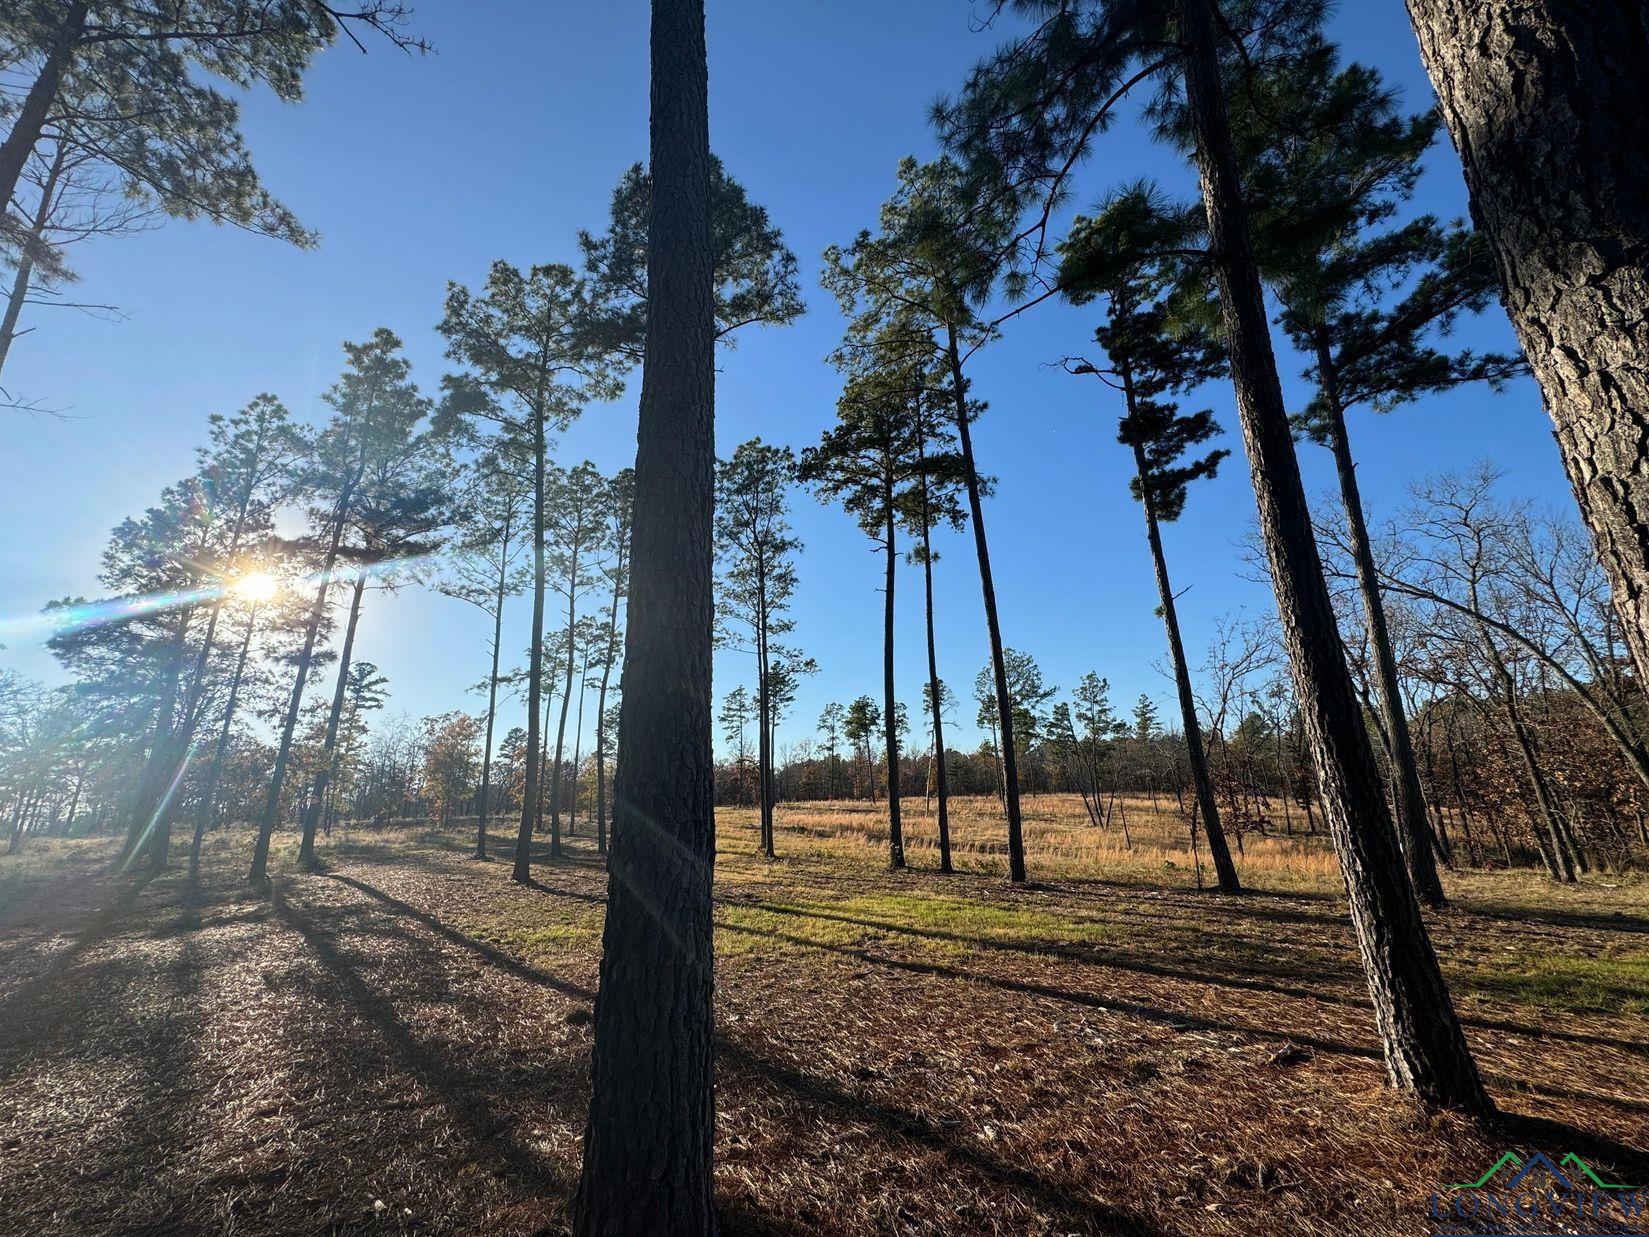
point(329, 747)
point(1425, 1050)
point(1196, 756)
point(649, 1140)
point(1545, 101)
point(999, 669)
point(1408, 800)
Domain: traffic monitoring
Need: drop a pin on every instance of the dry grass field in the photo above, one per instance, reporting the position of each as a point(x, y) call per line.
point(401, 1044)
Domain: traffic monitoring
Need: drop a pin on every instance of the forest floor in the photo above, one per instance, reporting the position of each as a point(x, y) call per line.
point(402, 1043)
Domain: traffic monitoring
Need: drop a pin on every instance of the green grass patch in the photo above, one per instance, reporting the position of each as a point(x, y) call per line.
point(1564, 983)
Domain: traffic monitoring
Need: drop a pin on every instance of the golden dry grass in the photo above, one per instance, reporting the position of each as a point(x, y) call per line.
point(402, 1043)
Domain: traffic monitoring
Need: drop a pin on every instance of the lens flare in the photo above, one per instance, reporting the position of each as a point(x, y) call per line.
point(255, 586)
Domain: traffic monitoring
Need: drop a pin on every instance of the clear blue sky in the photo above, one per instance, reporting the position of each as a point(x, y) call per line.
point(417, 171)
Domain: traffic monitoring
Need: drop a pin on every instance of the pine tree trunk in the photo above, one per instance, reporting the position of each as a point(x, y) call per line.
point(649, 1140)
point(999, 670)
point(1195, 755)
point(283, 755)
point(208, 794)
point(329, 747)
point(895, 829)
point(1425, 1050)
point(1545, 102)
point(578, 747)
point(1408, 800)
point(940, 777)
point(31, 117)
point(492, 701)
point(566, 703)
point(522, 872)
point(26, 251)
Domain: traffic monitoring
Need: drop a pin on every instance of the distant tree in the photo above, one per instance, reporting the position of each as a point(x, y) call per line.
point(832, 720)
point(616, 569)
point(864, 462)
point(484, 570)
point(736, 713)
point(535, 358)
point(859, 726)
point(449, 761)
point(1028, 699)
point(376, 409)
point(757, 549)
point(1157, 348)
point(936, 259)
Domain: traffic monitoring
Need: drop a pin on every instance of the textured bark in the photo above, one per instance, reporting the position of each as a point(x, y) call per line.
point(1425, 1051)
point(329, 747)
point(1408, 800)
point(1195, 753)
point(648, 1142)
point(30, 120)
point(522, 871)
point(1546, 102)
point(890, 711)
point(1004, 706)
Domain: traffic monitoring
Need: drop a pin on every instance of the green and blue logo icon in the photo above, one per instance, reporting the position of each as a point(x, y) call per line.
point(1533, 1196)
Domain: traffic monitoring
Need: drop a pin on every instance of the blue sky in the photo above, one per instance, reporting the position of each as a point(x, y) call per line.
point(417, 171)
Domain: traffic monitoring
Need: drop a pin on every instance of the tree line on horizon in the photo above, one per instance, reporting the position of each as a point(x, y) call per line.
point(1306, 168)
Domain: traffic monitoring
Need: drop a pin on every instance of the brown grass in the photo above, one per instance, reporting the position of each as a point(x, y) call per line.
point(402, 1044)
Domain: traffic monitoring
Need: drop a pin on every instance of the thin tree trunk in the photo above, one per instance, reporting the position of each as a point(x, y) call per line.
point(283, 754)
point(1425, 1050)
point(522, 872)
point(578, 741)
point(940, 776)
point(1224, 869)
point(601, 709)
point(895, 829)
point(1408, 799)
point(1544, 100)
point(208, 794)
point(329, 747)
point(25, 257)
point(648, 1144)
point(566, 703)
point(492, 699)
point(999, 670)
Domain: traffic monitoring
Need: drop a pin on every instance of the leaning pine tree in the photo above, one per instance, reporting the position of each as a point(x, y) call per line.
point(1027, 117)
point(1152, 357)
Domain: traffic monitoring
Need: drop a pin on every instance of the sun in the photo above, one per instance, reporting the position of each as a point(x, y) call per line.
point(255, 586)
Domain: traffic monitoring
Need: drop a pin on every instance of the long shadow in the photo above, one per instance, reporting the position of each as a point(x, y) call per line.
point(1616, 922)
point(1148, 1013)
point(498, 957)
point(1617, 1160)
point(1099, 956)
point(96, 929)
point(918, 1129)
point(469, 1108)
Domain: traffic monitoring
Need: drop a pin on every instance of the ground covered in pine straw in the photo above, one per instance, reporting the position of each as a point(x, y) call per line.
point(402, 1043)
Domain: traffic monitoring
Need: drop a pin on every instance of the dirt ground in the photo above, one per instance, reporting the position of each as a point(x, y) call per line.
point(402, 1044)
